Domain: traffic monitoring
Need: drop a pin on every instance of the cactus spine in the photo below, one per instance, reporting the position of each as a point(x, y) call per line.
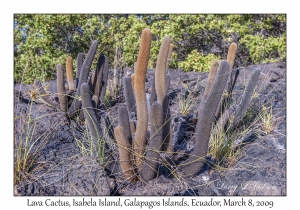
point(140, 95)
point(150, 166)
point(205, 121)
point(69, 70)
point(61, 88)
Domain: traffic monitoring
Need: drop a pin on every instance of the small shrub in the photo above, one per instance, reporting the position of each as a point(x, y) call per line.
point(196, 61)
point(263, 50)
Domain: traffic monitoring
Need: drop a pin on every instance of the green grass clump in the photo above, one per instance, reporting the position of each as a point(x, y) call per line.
point(27, 146)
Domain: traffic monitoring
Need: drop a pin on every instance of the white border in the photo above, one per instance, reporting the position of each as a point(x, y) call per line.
point(8, 8)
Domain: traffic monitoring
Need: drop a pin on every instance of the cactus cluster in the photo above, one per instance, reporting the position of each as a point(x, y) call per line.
point(84, 96)
point(217, 96)
point(214, 108)
point(143, 137)
point(69, 95)
point(146, 144)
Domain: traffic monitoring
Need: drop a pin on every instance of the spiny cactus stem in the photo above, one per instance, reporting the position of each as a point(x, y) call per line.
point(150, 166)
point(125, 154)
point(225, 101)
point(105, 73)
point(69, 70)
point(169, 56)
point(99, 78)
point(160, 72)
point(210, 82)
point(79, 63)
point(140, 94)
point(91, 81)
point(129, 96)
point(90, 115)
point(61, 88)
point(123, 121)
point(231, 54)
point(166, 130)
point(246, 98)
point(205, 121)
point(95, 101)
point(132, 80)
point(153, 91)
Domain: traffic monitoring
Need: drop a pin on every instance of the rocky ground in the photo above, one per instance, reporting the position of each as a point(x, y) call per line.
point(63, 163)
